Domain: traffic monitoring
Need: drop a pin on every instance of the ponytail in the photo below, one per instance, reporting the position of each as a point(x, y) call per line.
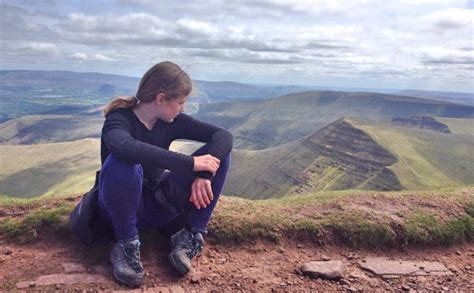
point(165, 77)
point(120, 102)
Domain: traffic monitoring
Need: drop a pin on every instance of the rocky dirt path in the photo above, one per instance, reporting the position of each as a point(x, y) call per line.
point(50, 265)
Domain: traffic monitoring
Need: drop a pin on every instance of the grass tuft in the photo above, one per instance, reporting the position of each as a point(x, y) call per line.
point(332, 217)
point(27, 229)
point(358, 232)
point(426, 229)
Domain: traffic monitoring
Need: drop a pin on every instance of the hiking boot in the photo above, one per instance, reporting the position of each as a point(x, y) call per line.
point(128, 268)
point(185, 245)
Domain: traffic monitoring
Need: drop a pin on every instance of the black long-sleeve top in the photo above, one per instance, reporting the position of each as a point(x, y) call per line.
point(130, 141)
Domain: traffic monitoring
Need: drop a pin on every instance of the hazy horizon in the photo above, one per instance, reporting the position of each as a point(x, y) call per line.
point(425, 45)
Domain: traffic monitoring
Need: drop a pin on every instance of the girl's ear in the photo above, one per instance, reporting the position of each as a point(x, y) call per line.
point(160, 99)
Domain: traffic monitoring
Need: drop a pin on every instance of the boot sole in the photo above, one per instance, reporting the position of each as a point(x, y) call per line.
point(182, 270)
point(130, 283)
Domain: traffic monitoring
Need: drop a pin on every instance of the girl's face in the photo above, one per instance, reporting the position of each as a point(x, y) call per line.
point(171, 108)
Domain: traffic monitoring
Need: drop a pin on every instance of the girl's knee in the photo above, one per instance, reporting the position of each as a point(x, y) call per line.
point(226, 161)
point(114, 165)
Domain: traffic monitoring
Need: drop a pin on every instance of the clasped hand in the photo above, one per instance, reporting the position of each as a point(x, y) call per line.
point(201, 191)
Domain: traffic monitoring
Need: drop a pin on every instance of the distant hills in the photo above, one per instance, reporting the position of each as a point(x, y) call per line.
point(352, 153)
point(30, 92)
point(293, 143)
point(34, 92)
point(460, 98)
point(266, 123)
point(49, 128)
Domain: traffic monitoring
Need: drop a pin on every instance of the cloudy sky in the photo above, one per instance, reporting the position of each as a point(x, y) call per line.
point(368, 43)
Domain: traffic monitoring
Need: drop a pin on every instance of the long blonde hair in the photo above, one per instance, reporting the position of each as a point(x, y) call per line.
point(164, 77)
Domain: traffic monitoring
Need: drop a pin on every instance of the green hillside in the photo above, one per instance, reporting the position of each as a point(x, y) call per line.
point(263, 124)
point(458, 126)
point(47, 169)
point(352, 153)
point(427, 159)
point(49, 128)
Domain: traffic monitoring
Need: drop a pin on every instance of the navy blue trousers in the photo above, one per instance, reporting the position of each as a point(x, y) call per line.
point(129, 206)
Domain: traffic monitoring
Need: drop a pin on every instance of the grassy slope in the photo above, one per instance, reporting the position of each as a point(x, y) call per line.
point(339, 157)
point(458, 125)
point(334, 158)
point(54, 168)
point(49, 128)
point(426, 159)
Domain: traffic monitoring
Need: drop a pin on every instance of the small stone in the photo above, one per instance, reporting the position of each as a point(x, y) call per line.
point(330, 270)
point(8, 252)
point(324, 257)
point(280, 250)
point(457, 252)
point(352, 289)
point(405, 287)
point(195, 280)
point(467, 267)
point(421, 267)
point(352, 255)
point(452, 268)
point(70, 267)
point(254, 281)
point(344, 282)
point(299, 245)
point(32, 284)
point(103, 287)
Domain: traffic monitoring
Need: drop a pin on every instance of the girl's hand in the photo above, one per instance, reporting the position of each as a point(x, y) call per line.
point(201, 193)
point(206, 163)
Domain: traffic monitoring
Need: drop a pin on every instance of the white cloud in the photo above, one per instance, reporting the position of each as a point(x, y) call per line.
point(380, 39)
point(442, 55)
point(41, 49)
point(100, 57)
point(453, 18)
point(81, 57)
point(192, 26)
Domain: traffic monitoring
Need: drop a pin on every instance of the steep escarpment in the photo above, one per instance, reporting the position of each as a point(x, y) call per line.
point(348, 158)
point(422, 122)
point(339, 156)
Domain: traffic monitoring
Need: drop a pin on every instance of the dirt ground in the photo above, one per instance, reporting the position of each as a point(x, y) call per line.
point(258, 267)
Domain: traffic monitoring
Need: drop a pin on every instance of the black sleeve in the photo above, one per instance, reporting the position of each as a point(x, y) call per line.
point(219, 140)
point(116, 135)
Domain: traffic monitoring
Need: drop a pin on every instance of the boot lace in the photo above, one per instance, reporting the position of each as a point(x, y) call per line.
point(132, 256)
point(193, 248)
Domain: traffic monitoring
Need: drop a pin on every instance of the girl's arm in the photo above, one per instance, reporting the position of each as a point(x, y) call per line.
point(116, 135)
point(219, 140)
